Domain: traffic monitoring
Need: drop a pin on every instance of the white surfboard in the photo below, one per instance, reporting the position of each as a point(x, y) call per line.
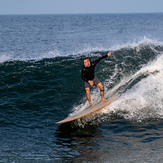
point(90, 110)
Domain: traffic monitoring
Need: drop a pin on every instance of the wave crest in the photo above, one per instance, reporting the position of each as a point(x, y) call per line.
point(88, 51)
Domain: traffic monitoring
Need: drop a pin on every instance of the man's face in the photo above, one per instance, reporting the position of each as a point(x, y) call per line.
point(86, 63)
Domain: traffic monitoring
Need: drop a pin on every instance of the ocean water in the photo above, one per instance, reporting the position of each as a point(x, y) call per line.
point(41, 57)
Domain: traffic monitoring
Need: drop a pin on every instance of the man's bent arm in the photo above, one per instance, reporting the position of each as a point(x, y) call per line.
point(83, 76)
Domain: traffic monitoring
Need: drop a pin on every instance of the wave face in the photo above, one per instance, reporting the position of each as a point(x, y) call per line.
point(41, 57)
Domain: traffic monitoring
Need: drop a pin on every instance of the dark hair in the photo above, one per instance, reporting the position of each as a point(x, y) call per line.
point(88, 58)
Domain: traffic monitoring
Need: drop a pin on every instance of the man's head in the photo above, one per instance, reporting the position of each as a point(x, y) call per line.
point(87, 62)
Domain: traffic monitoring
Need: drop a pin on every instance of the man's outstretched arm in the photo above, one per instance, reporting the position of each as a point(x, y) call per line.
point(98, 60)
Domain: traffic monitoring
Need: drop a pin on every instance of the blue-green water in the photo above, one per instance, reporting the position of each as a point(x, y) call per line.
point(41, 57)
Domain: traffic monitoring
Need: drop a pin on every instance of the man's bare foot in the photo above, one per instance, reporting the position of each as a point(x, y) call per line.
point(91, 106)
point(104, 100)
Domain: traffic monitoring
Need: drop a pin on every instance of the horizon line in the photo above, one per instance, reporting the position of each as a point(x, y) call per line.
point(83, 13)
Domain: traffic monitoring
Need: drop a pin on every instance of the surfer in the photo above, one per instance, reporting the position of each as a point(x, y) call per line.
point(88, 75)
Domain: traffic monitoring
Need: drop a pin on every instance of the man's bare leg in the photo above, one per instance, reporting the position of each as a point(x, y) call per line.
point(89, 96)
point(102, 91)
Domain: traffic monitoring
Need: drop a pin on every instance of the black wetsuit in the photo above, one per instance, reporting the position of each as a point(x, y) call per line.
point(88, 73)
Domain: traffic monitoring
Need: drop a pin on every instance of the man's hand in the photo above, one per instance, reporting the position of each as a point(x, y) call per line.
point(109, 54)
point(90, 82)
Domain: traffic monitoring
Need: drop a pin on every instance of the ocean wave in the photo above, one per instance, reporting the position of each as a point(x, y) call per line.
point(134, 70)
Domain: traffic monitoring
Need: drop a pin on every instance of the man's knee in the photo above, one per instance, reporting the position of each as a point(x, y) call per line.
point(100, 86)
point(87, 90)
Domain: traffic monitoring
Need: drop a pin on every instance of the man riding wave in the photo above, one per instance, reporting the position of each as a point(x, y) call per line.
point(88, 75)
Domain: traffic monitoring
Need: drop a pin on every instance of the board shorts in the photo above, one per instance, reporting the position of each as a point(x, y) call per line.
point(96, 81)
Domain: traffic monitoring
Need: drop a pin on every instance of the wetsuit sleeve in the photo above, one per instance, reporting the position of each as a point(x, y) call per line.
point(98, 60)
point(83, 75)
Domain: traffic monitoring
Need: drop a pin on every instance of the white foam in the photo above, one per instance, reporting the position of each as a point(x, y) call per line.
point(4, 58)
point(136, 44)
point(47, 55)
point(88, 51)
point(145, 99)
